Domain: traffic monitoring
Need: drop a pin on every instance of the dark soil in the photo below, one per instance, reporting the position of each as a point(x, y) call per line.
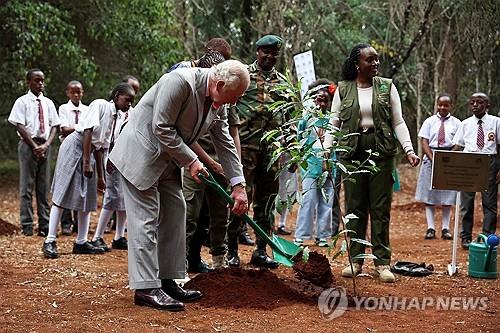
point(7, 229)
point(316, 270)
point(246, 288)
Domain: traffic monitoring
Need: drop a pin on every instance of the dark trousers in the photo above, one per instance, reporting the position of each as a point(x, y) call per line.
point(370, 195)
point(489, 199)
point(34, 175)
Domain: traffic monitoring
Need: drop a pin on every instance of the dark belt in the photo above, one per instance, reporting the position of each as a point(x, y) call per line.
point(441, 148)
point(367, 130)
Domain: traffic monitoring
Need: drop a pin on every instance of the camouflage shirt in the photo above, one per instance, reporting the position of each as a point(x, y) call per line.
point(253, 107)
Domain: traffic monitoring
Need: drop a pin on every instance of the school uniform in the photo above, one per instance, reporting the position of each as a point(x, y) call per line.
point(38, 115)
point(70, 188)
point(430, 130)
point(482, 136)
point(71, 115)
point(113, 195)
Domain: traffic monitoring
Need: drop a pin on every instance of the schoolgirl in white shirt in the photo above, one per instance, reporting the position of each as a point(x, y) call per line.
point(75, 181)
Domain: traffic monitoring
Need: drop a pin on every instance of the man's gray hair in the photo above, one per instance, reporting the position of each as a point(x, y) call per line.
point(232, 72)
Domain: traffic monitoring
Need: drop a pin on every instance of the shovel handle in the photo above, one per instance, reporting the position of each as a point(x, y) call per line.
point(209, 180)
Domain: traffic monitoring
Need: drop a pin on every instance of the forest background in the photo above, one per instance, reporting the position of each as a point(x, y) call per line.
point(426, 46)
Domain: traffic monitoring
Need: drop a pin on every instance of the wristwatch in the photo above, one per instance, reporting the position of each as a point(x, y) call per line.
point(242, 185)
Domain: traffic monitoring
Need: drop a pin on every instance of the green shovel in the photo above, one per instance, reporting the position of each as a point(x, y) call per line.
point(283, 250)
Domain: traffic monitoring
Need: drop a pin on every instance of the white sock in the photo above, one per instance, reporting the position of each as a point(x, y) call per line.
point(55, 217)
point(429, 214)
point(83, 227)
point(283, 217)
point(121, 219)
point(103, 221)
point(446, 210)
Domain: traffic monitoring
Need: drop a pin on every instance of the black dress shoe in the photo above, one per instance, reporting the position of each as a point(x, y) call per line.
point(120, 244)
point(86, 248)
point(156, 298)
point(198, 267)
point(50, 250)
point(233, 259)
point(245, 239)
point(261, 259)
point(99, 242)
point(283, 231)
point(28, 231)
point(446, 234)
point(466, 243)
point(173, 290)
point(430, 234)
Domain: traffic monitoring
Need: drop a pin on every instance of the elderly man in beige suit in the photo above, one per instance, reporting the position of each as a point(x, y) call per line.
point(150, 153)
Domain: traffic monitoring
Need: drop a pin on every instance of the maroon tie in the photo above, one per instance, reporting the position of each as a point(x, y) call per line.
point(76, 115)
point(40, 116)
point(480, 135)
point(441, 135)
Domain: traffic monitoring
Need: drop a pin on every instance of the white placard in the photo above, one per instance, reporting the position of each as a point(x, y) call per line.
point(304, 67)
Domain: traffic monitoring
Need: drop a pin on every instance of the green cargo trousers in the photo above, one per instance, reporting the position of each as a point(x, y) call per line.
point(370, 195)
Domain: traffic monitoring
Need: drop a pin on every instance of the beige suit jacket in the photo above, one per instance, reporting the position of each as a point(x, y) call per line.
point(167, 119)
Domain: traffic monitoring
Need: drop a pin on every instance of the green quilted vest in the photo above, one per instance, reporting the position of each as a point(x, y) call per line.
point(382, 116)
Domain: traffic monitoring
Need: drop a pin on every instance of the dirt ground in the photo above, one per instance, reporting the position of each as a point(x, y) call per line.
point(90, 293)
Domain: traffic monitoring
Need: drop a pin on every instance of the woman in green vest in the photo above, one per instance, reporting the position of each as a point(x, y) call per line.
point(369, 105)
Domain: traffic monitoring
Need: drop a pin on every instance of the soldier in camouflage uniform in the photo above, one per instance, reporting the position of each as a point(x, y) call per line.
point(256, 119)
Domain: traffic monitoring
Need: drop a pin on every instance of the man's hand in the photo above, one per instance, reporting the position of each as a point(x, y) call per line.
point(195, 168)
point(239, 195)
point(39, 151)
point(413, 159)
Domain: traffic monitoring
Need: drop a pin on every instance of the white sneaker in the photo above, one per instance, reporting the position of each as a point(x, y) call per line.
point(385, 274)
point(219, 262)
point(348, 272)
point(298, 241)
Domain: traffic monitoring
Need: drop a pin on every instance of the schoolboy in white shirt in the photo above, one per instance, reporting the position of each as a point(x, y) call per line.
point(480, 133)
point(36, 120)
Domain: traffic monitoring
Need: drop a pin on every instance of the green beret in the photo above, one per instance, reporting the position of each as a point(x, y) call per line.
point(270, 40)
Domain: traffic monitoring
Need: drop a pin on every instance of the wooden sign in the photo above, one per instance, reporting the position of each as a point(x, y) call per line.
point(460, 171)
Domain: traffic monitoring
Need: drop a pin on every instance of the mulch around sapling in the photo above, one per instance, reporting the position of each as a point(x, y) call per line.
point(7, 229)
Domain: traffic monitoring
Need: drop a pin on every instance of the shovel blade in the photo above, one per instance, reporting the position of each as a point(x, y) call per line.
point(288, 250)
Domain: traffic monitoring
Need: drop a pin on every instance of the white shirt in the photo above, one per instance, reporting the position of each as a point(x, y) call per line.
point(430, 130)
point(467, 134)
point(365, 98)
point(25, 112)
point(68, 114)
point(101, 117)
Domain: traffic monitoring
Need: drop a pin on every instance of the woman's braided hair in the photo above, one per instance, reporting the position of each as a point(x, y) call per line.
point(349, 71)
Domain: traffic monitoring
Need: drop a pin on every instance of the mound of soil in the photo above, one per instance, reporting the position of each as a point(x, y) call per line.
point(7, 228)
point(245, 288)
point(316, 270)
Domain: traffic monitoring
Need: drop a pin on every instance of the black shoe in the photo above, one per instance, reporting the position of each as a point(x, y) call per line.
point(261, 259)
point(446, 234)
point(233, 259)
point(86, 248)
point(66, 231)
point(430, 234)
point(173, 290)
point(466, 243)
point(283, 231)
point(245, 239)
point(120, 244)
point(28, 231)
point(43, 232)
point(156, 298)
point(50, 250)
point(99, 242)
point(198, 267)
